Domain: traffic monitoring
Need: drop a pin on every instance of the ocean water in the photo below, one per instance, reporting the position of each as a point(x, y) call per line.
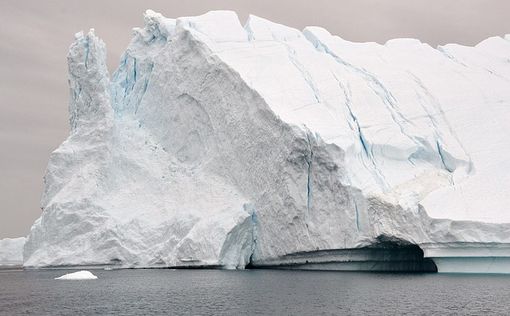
point(252, 292)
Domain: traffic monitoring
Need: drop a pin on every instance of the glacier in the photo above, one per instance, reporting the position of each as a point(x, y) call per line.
point(11, 251)
point(220, 145)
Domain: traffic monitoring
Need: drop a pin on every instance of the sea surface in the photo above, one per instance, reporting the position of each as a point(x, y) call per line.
point(252, 292)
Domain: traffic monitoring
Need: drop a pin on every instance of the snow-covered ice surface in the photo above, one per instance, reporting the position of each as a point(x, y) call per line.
point(11, 251)
point(80, 275)
point(215, 144)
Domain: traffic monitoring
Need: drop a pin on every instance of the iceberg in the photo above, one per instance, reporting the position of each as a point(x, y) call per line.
point(80, 275)
point(11, 251)
point(220, 145)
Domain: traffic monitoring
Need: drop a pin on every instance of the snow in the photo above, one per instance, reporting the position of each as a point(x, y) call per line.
point(215, 144)
point(11, 251)
point(80, 275)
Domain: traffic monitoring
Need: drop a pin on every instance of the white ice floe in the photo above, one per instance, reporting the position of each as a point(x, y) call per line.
point(80, 275)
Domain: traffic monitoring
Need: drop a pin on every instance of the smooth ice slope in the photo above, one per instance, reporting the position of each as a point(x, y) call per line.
point(11, 251)
point(80, 275)
point(221, 145)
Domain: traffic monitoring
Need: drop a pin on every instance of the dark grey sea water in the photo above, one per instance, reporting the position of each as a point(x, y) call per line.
point(252, 292)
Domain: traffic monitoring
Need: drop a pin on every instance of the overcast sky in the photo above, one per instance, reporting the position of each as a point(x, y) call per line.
point(35, 35)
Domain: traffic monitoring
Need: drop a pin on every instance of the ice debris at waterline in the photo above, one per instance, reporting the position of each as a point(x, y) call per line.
point(80, 275)
point(218, 145)
point(11, 251)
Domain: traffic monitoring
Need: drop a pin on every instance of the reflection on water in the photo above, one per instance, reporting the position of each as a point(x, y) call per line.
point(205, 292)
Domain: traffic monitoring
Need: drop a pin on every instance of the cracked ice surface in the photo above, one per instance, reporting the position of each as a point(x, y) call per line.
point(216, 144)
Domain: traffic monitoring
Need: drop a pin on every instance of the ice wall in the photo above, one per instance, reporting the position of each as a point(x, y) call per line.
point(221, 145)
point(11, 251)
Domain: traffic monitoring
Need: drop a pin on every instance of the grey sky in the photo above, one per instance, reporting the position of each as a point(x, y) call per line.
point(35, 35)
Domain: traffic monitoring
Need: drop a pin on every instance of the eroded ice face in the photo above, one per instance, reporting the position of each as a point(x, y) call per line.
point(216, 144)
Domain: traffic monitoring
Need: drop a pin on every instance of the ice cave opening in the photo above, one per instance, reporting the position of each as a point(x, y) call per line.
point(383, 256)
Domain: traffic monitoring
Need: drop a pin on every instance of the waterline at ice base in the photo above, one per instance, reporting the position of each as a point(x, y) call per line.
point(220, 145)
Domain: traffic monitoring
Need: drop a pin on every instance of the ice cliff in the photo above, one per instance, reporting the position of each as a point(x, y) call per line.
point(219, 145)
point(11, 251)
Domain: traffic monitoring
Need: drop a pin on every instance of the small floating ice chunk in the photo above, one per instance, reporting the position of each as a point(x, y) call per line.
point(80, 275)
